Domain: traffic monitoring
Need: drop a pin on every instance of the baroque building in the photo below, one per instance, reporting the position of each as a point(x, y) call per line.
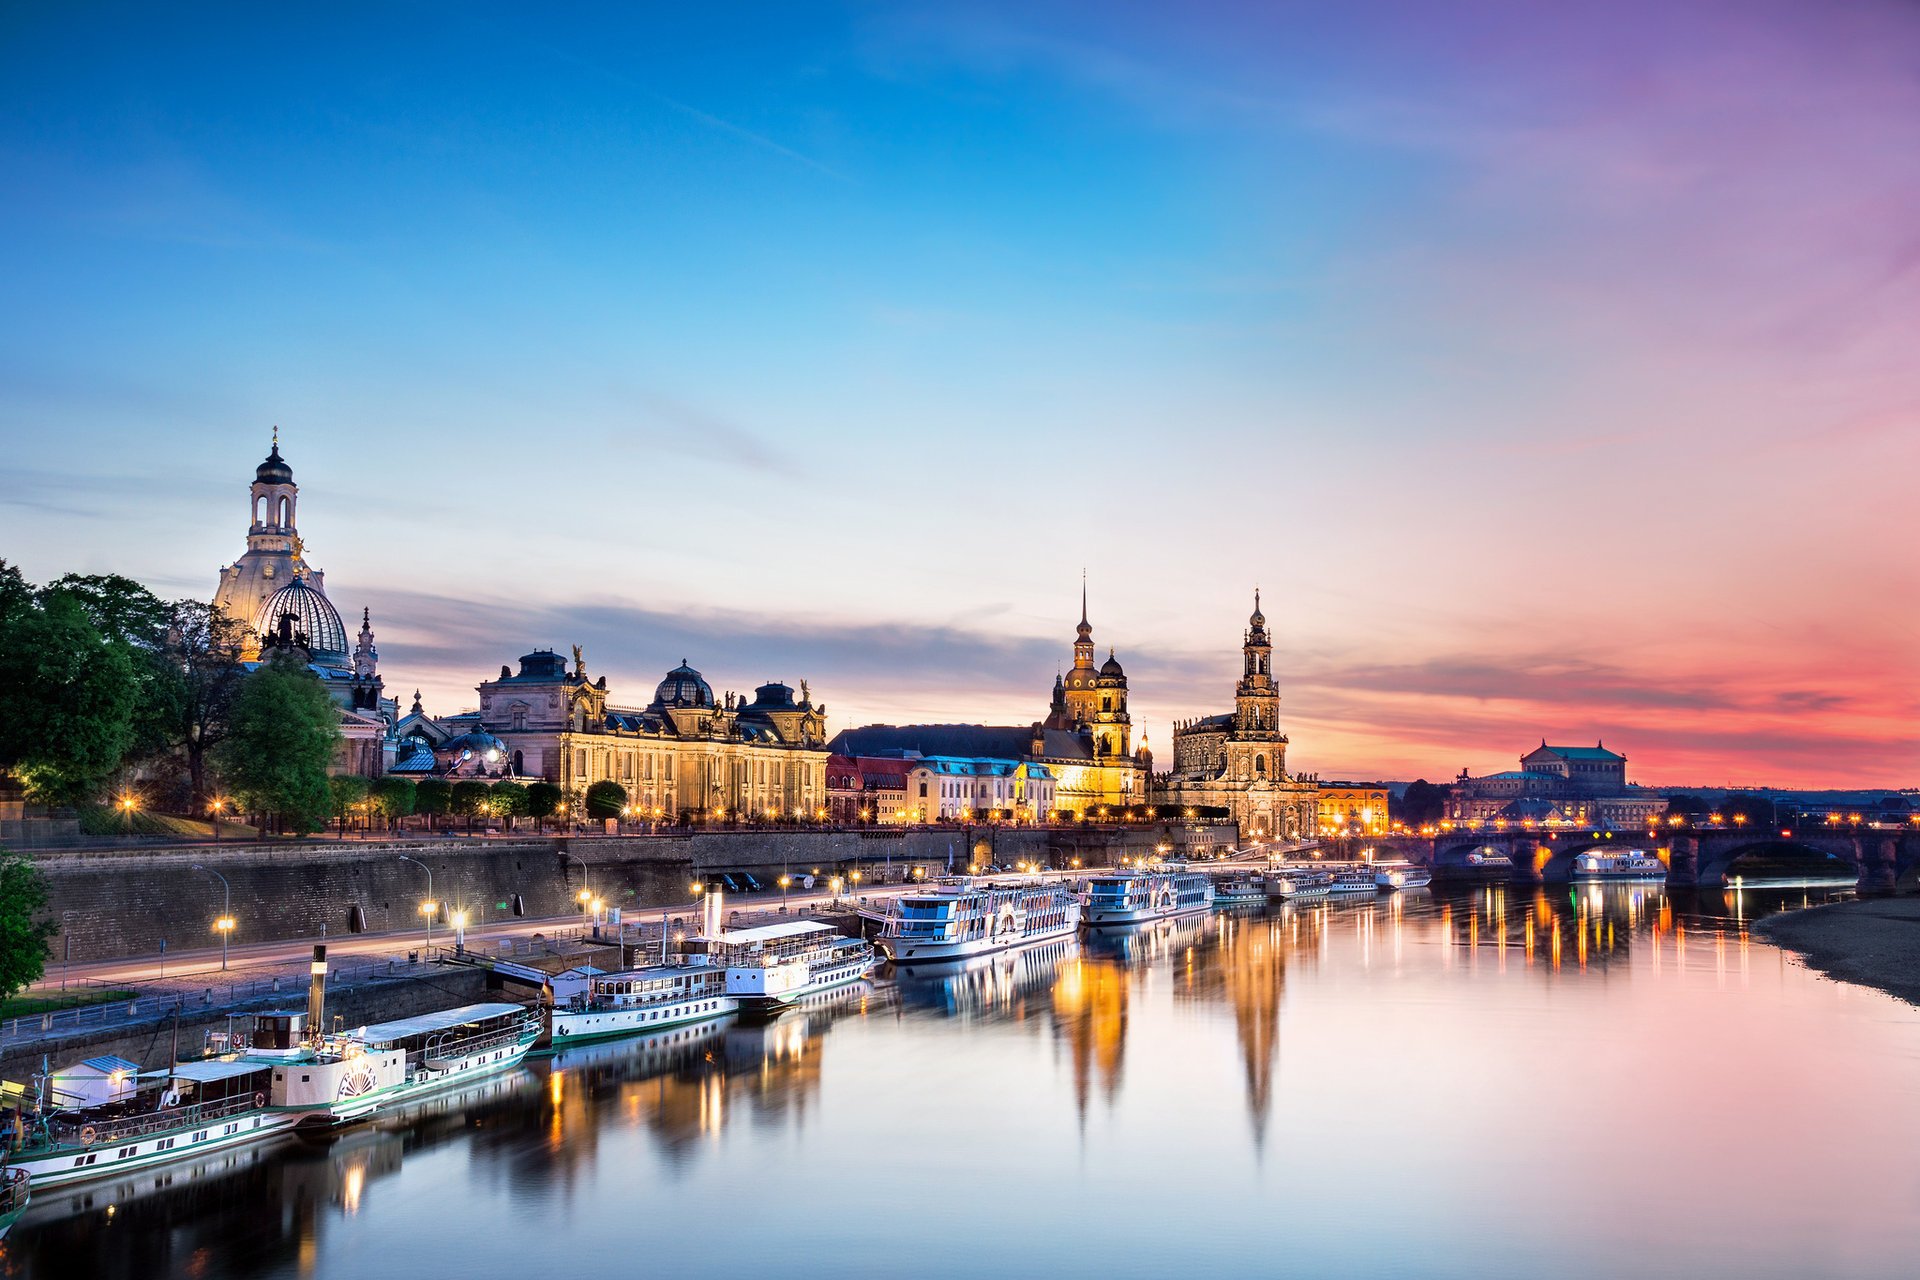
point(1237, 761)
point(280, 602)
point(1557, 786)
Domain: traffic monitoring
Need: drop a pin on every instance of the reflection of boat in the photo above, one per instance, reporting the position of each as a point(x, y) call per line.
point(1133, 943)
point(648, 999)
point(199, 1180)
point(1598, 865)
point(984, 984)
point(15, 1191)
point(1353, 880)
point(639, 1056)
point(965, 919)
point(1401, 876)
point(1238, 890)
point(774, 965)
point(1132, 897)
point(1298, 882)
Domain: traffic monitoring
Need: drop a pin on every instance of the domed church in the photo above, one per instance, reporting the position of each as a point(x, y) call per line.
point(281, 604)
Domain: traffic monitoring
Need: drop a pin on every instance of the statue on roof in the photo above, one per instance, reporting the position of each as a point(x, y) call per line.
point(579, 663)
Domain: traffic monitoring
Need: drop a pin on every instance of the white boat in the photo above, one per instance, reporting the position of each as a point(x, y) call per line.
point(647, 999)
point(1298, 882)
point(1401, 875)
point(1598, 865)
point(773, 965)
point(1353, 880)
point(963, 919)
point(1238, 890)
point(1132, 897)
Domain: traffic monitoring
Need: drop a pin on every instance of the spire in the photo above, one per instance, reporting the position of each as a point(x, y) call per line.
point(1085, 629)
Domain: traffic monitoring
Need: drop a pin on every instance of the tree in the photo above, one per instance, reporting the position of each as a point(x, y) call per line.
point(280, 744)
point(470, 797)
point(543, 801)
point(128, 615)
point(605, 799)
point(1686, 805)
point(509, 800)
point(1420, 804)
point(67, 695)
point(1754, 810)
point(395, 798)
point(346, 792)
point(433, 797)
point(23, 940)
point(203, 651)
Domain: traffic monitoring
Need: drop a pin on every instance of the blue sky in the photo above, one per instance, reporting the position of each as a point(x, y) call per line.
point(833, 342)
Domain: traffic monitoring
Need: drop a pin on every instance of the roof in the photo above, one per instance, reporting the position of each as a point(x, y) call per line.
point(439, 1020)
point(961, 741)
point(1578, 753)
point(208, 1072)
point(770, 932)
point(106, 1065)
point(417, 758)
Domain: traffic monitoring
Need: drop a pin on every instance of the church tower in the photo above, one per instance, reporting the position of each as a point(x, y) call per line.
point(274, 556)
point(367, 684)
point(1256, 702)
point(1083, 678)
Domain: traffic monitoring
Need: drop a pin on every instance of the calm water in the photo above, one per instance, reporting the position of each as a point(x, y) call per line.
point(1497, 1083)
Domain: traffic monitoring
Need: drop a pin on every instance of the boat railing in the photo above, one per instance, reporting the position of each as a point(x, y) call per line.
point(13, 1189)
point(452, 1050)
point(89, 1131)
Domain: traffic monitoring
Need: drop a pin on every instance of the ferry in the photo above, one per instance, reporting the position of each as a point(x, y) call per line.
point(771, 966)
point(962, 919)
point(646, 999)
point(1353, 880)
point(1484, 863)
point(1238, 890)
point(349, 1075)
point(1133, 897)
point(1401, 875)
point(1299, 882)
point(15, 1191)
point(1628, 865)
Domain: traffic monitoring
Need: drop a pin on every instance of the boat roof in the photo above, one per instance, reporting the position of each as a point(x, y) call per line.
point(438, 1020)
point(106, 1065)
point(208, 1072)
point(771, 932)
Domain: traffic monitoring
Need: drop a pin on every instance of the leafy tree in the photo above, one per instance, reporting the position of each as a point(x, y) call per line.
point(1420, 804)
point(23, 940)
point(203, 653)
point(510, 799)
point(470, 797)
point(433, 797)
point(543, 801)
point(128, 615)
point(605, 799)
point(1687, 805)
point(1755, 810)
point(280, 744)
point(67, 695)
point(346, 792)
point(395, 798)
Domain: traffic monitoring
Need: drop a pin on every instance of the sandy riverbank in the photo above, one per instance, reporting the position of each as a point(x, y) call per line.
point(1875, 942)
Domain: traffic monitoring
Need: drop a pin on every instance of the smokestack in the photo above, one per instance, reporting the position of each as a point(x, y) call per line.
point(317, 993)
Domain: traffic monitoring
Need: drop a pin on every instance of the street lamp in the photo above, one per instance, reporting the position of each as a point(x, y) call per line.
point(784, 882)
point(429, 907)
point(459, 922)
point(216, 805)
point(224, 925)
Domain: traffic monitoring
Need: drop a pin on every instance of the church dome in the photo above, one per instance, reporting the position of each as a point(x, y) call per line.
point(477, 748)
point(313, 617)
point(1111, 667)
point(275, 469)
point(683, 687)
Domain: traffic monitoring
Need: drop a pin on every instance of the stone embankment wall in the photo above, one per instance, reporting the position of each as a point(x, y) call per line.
point(127, 902)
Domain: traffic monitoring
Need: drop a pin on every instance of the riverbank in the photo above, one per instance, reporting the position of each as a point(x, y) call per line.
point(1874, 942)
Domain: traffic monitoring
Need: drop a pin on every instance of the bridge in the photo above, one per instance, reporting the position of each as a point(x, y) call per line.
point(1878, 858)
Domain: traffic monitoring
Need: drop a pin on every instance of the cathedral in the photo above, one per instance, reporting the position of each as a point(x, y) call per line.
point(1237, 761)
point(280, 602)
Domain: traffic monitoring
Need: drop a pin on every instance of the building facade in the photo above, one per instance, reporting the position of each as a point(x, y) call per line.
point(948, 788)
point(1237, 761)
point(1353, 807)
point(1557, 786)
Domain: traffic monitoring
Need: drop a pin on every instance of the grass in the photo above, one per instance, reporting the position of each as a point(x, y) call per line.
point(101, 820)
point(34, 1006)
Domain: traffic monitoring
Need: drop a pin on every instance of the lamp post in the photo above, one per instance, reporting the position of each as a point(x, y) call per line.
point(429, 907)
point(586, 876)
point(216, 804)
point(784, 882)
point(224, 925)
point(459, 921)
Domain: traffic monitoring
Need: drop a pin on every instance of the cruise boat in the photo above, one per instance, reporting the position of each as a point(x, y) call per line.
point(1298, 882)
point(15, 1191)
point(963, 919)
point(646, 999)
point(1484, 863)
point(1596, 864)
point(1401, 875)
point(771, 966)
point(349, 1075)
point(1238, 890)
point(1133, 897)
point(1353, 880)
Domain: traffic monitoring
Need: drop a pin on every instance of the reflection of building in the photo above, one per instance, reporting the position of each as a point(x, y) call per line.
point(1237, 761)
point(686, 751)
point(1246, 969)
point(1353, 806)
point(281, 604)
point(1557, 786)
point(1090, 1010)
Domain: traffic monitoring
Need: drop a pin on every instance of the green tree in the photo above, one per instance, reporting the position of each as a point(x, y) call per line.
point(280, 745)
point(543, 801)
point(433, 797)
point(1687, 805)
point(510, 800)
point(470, 797)
point(395, 798)
point(1757, 811)
point(131, 617)
point(1420, 804)
point(23, 940)
point(67, 695)
point(203, 661)
point(605, 799)
point(346, 792)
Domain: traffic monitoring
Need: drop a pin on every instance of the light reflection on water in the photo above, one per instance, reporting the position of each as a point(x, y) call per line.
point(1503, 1081)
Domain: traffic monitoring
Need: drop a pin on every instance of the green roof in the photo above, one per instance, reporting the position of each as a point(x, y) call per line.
point(1582, 753)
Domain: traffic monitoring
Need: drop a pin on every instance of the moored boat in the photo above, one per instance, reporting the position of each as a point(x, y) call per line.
point(1132, 897)
point(1353, 880)
point(1597, 864)
point(349, 1075)
point(963, 919)
point(636, 1000)
point(1238, 890)
point(1401, 875)
point(773, 965)
point(1298, 882)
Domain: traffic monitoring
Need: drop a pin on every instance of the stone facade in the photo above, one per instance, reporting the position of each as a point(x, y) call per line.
point(1237, 761)
point(1557, 786)
point(1353, 807)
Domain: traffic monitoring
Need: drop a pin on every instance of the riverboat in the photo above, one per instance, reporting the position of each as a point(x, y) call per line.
point(963, 919)
point(1298, 882)
point(15, 1191)
point(349, 1075)
point(1134, 897)
point(1238, 890)
point(1596, 864)
point(645, 999)
point(1401, 876)
point(1353, 880)
point(771, 966)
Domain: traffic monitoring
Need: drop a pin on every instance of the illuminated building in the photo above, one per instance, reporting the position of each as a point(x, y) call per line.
point(1353, 806)
point(1557, 786)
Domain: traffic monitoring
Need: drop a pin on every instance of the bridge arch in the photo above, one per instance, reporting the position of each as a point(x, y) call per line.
point(1776, 859)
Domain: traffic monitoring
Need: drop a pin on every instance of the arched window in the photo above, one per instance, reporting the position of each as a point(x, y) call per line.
point(519, 763)
point(286, 512)
point(256, 508)
point(1260, 764)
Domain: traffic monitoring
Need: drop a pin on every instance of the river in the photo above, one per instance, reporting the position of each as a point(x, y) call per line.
point(1497, 1082)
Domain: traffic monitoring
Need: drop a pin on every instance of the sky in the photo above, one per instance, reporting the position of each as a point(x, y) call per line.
point(1550, 369)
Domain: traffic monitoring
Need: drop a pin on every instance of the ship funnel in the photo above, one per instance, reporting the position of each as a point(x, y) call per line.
point(317, 992)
